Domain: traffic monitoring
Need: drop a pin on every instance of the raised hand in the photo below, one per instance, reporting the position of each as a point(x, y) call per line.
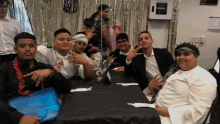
point(133, 53)
point(39, 75)
point(29, 119)
point(154, 83)
point(110, 58)
point(93, 48)
point(76, 58)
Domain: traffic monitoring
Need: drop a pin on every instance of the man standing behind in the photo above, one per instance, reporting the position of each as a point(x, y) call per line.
point(24, 75)
point(58, 56)
point(8, 29)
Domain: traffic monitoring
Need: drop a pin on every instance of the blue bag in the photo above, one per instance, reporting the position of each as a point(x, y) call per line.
point(43, 103)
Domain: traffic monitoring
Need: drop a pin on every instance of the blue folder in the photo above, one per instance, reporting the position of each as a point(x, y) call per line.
point(43, 103)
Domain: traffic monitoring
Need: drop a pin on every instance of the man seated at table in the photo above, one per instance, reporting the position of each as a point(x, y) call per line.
point(24, 75)
point(121, 53)
point(144, 62)
point(188, 90)
point(58, 56)
point(90, 52)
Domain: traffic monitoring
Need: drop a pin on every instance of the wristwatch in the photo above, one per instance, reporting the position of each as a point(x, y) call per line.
point(51, 73)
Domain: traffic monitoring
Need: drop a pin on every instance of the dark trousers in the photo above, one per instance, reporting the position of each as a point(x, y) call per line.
point(9, 57)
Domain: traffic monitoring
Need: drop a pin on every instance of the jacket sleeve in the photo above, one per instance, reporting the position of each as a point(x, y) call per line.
point(7, 113)
point(58, 82)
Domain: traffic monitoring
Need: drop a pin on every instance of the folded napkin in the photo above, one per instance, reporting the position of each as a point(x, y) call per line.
point(142, 105)
point(81, 89)
point(127, 84)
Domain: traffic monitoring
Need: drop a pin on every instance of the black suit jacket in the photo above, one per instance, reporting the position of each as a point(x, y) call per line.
point(137, 68)
point(120, 58)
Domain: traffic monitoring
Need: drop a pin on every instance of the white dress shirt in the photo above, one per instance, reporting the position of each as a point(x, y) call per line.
point(127, 52)
point(188, 96)
point(9, 28)
point(67, 69)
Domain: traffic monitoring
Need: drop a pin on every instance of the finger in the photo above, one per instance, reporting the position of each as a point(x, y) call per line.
point(89, 50)
point(29, 74)
point(38, 81)
point(155, 77)
point(157, 106)
point(134, 46)
point(139, 53)
point(111, 56)
point(161, 84)
point(114, 58)
point(37, 118)
point(108, 56)
point(138, 48)
point(34, 77)
point(158, 79)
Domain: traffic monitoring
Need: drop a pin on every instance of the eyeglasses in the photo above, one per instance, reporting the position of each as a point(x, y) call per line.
point(119, 42)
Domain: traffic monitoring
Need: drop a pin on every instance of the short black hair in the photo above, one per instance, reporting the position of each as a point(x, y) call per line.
point(24, 35)
point(2, 1)
point(62, 30)
point(146, 32)
point(81, 33)
point(121, 36)
point(102, 7)
point(88, 22)
point(185, 44)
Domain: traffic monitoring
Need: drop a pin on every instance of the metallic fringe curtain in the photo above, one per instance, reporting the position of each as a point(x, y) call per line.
point(172, 33)
point(46, 16)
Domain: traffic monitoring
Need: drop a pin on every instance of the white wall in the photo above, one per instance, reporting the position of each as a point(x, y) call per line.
point(159, 32)
point(193, 21)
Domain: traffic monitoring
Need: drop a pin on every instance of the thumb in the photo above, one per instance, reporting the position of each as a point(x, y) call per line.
point(37, 118)
point(157, 106)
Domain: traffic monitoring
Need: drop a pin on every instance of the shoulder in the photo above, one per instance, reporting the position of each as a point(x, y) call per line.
point(42, 49)
point(203, 76)
point(115, 52)
point(161, 50)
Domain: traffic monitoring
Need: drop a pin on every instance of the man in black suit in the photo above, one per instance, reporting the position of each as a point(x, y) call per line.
point(145, 62)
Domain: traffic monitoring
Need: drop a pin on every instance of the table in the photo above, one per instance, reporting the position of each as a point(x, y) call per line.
point(106, 104)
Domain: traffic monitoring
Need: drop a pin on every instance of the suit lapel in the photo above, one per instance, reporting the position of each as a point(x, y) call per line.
point(158, 58)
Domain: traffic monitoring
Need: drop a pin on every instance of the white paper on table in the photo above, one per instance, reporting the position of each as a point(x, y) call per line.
point(142, 105)
point(81, 89)
point(127, 84)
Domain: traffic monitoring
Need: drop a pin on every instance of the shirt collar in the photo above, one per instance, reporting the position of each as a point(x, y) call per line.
point(126, 53)
point(152, 54)
point(61, 56)
point(22, 62)
point(6, 18)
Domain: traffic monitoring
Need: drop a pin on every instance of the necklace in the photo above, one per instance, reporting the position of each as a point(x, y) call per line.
point(20, 78)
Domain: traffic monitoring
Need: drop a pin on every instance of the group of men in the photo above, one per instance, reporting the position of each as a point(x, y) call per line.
point(181, 90)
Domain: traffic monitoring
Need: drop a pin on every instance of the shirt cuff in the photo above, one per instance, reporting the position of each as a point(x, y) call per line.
point(127, 62)
point(147, 93)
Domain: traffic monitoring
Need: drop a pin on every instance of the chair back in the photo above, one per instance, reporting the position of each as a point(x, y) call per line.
point(213, 104)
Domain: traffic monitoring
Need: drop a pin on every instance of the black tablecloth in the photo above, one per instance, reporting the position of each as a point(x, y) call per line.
point(106, 104)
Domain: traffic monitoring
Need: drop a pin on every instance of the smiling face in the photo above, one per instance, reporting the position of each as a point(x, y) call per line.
point(63, 42)
point(145, 41)
point(3, 10)
point(186, 60)
point(79, 46)
point(123, 45)
point(26, 48)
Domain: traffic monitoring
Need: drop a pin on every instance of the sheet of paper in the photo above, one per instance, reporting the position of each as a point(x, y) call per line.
point(128, 84)
point(81, 89)
point(142, 105)
point(115, 68)
point(109, 77)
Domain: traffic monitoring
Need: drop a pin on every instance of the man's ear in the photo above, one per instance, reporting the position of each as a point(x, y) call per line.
point(15, 48)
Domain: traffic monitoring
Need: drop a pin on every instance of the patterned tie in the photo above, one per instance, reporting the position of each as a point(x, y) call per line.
point(173, 69)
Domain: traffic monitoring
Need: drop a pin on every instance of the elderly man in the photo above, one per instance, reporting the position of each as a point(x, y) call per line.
point(188, 90)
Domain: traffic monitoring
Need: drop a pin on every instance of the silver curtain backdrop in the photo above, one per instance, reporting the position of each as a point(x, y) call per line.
point(46, 16)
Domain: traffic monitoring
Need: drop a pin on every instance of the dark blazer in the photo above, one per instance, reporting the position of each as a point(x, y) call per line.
point(137, 68)
point(120, 58)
